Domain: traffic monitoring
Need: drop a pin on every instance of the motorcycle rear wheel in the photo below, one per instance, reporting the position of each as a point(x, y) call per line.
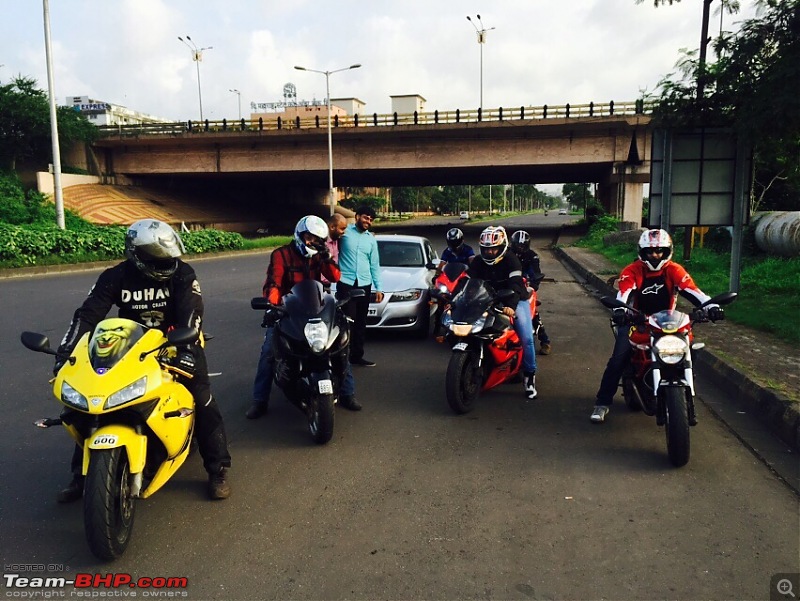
point(676, 425)
point(108, 505)
point(320, 418)
point(462, 383)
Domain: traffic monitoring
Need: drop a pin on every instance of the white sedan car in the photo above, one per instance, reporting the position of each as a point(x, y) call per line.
point(407, 267)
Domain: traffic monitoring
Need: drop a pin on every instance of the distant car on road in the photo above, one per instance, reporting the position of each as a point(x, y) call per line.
point(407, 266)
point(464, 215)
point(562, 212)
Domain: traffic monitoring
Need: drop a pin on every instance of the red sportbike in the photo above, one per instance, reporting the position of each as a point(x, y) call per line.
point(442, 293)
point(660, 379)
point(486, 349)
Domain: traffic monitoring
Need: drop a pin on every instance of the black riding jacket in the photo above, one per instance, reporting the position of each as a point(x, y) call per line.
point(505, 274)
point(176, 302)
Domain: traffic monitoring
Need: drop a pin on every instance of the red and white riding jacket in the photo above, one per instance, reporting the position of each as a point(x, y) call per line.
point(655, 291)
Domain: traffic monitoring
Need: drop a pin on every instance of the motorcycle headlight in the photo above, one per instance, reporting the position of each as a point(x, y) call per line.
point(443, 288)
point(478, 325)
point(125, 395)
point(671, 349)
point(464, 329)
point(411, 294)
point(317, 335)
point(72, 397)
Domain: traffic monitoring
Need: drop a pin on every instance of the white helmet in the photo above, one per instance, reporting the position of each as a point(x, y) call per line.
point(153, 247)
point(494, 244)
point(657, 240)
point(310, 234)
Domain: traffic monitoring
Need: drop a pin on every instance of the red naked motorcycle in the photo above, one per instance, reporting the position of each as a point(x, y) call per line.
point(659, 380)
point(486, 350)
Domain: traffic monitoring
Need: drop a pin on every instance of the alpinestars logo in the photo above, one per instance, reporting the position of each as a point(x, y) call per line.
point(652, 289)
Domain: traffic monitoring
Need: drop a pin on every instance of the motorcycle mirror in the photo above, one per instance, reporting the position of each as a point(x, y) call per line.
point(36, 342)
point(259, 303)
point(724, 298)
point(613, 303)
point(181, 336)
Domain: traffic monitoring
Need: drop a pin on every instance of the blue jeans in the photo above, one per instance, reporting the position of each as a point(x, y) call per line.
point(615, 366)
point(265, 373)
point(524, 329)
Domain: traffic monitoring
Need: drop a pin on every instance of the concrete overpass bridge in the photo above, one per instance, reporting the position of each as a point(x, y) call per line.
point(261, 166)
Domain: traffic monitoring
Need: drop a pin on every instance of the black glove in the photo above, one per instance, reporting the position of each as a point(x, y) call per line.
point(638, 319)
point(715, 313)
point(270, 318)
point(185, 362)
point(619, 317)
point(324, 254)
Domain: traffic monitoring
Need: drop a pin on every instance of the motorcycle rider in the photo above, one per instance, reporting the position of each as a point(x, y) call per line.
point(502, 270)
point(457, 251)
point(652, 282)
point(306, 257)
point(154, 287)
point(531, 271)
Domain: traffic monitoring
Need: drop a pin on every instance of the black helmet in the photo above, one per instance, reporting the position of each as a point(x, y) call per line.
point(455, 238)
point(153, 247)
point(520, 241)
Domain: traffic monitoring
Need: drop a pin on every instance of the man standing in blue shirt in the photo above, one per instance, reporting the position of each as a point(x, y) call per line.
point(358, 260)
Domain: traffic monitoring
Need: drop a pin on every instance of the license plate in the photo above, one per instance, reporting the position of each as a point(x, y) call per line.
point(460, 346)
point(325, 387)
point(372, 312)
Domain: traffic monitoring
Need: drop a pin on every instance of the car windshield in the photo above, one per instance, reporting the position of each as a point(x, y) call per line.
point(394, 253)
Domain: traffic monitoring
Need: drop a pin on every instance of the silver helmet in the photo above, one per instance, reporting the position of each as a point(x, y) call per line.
point(153, 247)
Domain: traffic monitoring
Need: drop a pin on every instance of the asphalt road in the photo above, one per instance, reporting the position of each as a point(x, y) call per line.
point(517, 500)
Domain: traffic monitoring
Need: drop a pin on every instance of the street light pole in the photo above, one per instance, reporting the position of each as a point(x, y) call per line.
point(481, 41)
point(197, 56)
point(239, 94)
point(51, 87)
point(327, 74)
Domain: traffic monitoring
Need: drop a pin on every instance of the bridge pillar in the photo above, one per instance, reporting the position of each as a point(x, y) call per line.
point(622, 195)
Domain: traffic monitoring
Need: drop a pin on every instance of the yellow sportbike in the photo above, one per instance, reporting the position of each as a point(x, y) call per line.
point(127, 409)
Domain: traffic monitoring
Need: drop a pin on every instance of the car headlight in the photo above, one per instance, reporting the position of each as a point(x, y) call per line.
point(671, 349)
point(72, 397)
point(411, 294)
point(317, 335)
point(125, 395)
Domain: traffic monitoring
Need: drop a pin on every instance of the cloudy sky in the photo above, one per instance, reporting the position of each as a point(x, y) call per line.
point(540, 51)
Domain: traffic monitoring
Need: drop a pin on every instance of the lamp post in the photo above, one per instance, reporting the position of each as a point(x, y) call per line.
point(51, 91)
point(239, 94)
point(197, 56)
point(327, 75)
point(481, 41)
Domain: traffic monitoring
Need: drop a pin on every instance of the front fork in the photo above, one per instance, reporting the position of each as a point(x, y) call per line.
point(675, 375)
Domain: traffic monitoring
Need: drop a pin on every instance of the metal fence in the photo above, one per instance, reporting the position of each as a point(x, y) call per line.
point(523, 113)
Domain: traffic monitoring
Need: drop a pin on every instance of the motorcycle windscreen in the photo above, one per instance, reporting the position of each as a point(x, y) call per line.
point(471, 302)
point(112, 338)
point(670, 320)
point(306, 298)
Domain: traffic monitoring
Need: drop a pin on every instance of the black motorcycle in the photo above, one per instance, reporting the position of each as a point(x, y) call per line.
point(311, 345)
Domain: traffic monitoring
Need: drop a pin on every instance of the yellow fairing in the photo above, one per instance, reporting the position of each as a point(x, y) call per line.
point(107, 391)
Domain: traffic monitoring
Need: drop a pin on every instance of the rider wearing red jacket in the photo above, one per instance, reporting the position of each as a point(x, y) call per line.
point(650, 284)
point(306, 257)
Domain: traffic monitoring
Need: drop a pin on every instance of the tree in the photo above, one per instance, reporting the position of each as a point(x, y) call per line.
point(578, 195)
point(25, 125)
point(752, 88)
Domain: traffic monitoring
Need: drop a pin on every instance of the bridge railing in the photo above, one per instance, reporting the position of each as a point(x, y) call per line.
point(523, 113)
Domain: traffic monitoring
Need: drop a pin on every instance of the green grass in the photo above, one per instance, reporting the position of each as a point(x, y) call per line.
point(769, 294)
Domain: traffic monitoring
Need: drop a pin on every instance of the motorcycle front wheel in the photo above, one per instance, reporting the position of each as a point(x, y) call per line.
point(463, 382)
point(320, 418)
point(676, 424)
point(108, 506)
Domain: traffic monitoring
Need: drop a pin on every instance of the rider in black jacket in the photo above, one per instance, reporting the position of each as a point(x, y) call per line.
point(155, 288)
point(502, 270)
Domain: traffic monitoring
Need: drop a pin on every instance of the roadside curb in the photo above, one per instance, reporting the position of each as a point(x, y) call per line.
point(778, 413)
